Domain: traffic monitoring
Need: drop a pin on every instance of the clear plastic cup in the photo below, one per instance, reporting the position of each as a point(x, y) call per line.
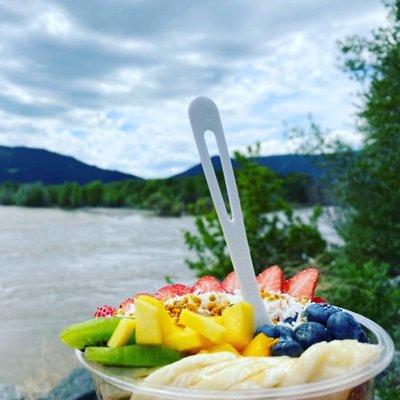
point(118, 384)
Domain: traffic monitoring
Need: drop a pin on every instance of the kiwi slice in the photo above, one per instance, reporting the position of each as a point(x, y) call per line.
point(133, 356)
point(93, 332)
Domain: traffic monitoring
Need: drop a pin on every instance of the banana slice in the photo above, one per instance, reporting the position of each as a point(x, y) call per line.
point(227, 371)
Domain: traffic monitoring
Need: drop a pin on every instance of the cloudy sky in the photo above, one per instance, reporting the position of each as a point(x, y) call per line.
point(109, 81)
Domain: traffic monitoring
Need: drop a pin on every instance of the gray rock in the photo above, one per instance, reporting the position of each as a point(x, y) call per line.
point(78, 384)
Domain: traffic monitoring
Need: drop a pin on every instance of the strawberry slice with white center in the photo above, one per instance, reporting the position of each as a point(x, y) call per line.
point(172, 290)
point(230, 284)
point(208, 283)
point(271, 279)
point(303, 284)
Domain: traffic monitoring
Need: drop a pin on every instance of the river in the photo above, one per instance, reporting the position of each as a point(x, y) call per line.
point(58, 266)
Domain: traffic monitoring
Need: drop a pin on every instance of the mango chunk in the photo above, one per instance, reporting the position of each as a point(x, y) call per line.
point(184, 340)
point(148, 323)
point(260, 346)
point(122, 333)
point(223, 347)
point(205, 326)
point(239, 322)
point(218, 319)
point(167, 325)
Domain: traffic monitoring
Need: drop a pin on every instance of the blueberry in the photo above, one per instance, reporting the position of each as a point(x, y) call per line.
point(310, 333)
point(291, 320)
point(287, 347)
point(360, 335)
point(285, 332)
point(343, 326)
point(275, 331)
point(320, 312)
point(268, 330)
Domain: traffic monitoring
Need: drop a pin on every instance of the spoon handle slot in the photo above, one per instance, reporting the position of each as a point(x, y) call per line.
point(204, 116)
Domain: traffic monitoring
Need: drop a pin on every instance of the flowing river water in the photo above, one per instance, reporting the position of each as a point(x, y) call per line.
point(58, 266)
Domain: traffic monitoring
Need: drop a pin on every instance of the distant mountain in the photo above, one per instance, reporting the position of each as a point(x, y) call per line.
point(23, 164)
point(281, 164)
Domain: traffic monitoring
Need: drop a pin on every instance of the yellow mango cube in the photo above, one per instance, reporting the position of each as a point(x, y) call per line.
point(205, 326)
point(218, 319)
point(122, 333)
point(148, 323)
point(184, 340)
point(223, 347)
point(239, 322)
point(260, 346)
point(167, 326)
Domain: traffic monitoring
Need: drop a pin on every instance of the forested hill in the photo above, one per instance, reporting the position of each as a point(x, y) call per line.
point(311, 165)
point(25, 165)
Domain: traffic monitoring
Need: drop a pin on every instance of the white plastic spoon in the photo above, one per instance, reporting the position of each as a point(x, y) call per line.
point(204, 116)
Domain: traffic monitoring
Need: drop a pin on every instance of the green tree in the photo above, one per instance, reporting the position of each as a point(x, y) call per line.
point(94, 194)
point(274, 237)
point(64, 195)
point(371, 188)
point(32, 195)
point(7, 193)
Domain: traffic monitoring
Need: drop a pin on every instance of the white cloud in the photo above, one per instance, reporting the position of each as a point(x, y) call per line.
point(110, 85)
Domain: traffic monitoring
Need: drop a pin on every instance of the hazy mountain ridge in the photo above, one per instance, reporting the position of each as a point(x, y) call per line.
point(25, 165)
point(281, 164)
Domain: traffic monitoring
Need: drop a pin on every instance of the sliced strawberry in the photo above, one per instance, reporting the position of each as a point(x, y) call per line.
point(125, 303)
point(271, 279)
point(230, 283)
point(208, 283)
point(172, 290)
point(319, 300)
point(104, 311)
point(303, 283)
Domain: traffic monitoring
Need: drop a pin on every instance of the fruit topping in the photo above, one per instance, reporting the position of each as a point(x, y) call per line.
point(271, 279)
point(208, 283)
point(343, 326)
point(148, 323)
point(210, 329)
point(287, 347)
point(360, 335)
point(167, 326)
point(126, 303)
point(94, 332)
point(219, 348)
point(133, 356)
point(185, 340)
point(310, 333)
point(239, 322)
point(275, 331)
point(122, 333)
point(172, 290)
point(260, 346)
point(303, 284)
point(230, 284)
point(320, 312)
point(320, 300)
point(104, 311)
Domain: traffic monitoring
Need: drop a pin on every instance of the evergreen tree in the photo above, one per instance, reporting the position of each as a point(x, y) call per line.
point(371, 189)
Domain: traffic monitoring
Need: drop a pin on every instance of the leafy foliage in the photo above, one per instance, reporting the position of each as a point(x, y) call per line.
point(274, 237)
point(364, 288)
point(371, 188)
point(166, 197)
